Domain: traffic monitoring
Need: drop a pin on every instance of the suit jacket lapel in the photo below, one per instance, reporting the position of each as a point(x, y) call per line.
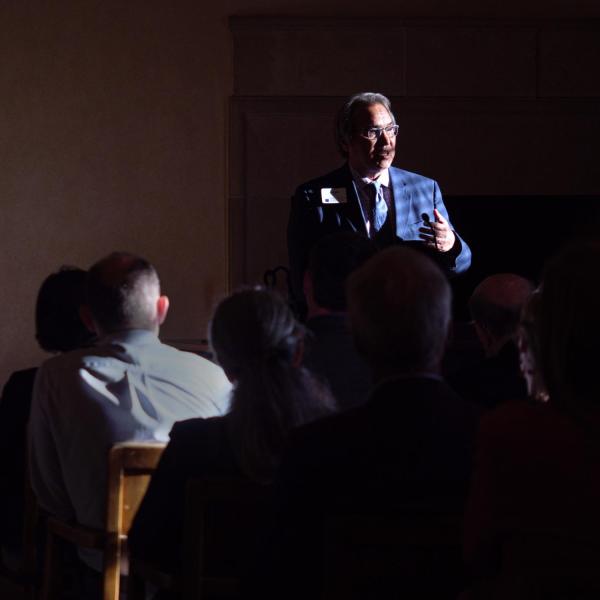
point(402, 200)
point(352, 210)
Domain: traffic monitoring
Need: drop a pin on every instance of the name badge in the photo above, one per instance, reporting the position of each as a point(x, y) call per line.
point(333, 196)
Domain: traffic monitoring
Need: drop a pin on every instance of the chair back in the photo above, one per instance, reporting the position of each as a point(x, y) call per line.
point(130, 466)
point(222, 525)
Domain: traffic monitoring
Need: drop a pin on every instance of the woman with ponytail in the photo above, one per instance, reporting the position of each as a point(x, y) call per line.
point(259, 345)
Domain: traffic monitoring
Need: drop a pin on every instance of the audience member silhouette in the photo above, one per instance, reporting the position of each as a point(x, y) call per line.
point(330, 350)
point(538, 463)
point(259, 344)
point(129, 386)
point(495, 308)
point(411, 443)
point(58, 329)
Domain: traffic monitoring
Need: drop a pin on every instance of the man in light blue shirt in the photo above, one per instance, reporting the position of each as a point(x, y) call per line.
point(129, 386)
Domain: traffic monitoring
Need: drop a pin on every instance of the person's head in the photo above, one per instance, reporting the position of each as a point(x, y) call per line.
point(123, 292)
point(254, 326)
point(568, 324)
point(331, 261)
point(495, 307)
point(365, 133)
point(57, 322)
point(258, 343)
point(399, 304)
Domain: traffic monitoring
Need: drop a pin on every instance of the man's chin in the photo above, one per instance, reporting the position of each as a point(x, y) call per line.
point(384, 162)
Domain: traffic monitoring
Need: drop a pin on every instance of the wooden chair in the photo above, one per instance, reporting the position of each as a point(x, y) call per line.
point(410, 554)
point(130, 466)
point(221, 522)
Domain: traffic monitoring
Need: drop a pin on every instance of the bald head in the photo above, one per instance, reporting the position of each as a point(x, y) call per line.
point(399, 304)
point(496, 305)
point(123, 292)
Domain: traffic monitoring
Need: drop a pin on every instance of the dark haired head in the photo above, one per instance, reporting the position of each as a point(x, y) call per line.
point(332, 259)
point(258, 343)
point(57, 322)
point(497, 302)
point(344, 123)
point(399, 305)
point(122, 291)
point(252, 326)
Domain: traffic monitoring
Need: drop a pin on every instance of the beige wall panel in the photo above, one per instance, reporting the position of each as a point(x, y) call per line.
point(485, 60)
point(317, 58)
point(112, 119)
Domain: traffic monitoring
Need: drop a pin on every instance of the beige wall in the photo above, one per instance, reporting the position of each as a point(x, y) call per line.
point(113, 123)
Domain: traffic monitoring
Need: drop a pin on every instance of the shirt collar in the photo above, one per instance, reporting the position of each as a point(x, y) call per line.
point(129, 336)
point(383, 179)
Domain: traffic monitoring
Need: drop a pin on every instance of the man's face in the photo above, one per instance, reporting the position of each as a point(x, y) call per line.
point(370, 157)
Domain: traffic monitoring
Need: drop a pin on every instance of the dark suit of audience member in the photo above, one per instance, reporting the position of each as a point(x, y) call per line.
point(330, 350)
point(538, 463)
point(58, 329)
point(410, 444)
point(258, 343)
point(495, 308)
point(198, 448)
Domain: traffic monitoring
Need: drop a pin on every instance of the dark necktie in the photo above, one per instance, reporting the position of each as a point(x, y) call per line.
point(377, 207)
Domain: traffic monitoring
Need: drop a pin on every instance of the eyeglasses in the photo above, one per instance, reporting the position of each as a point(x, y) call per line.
point(374, 133)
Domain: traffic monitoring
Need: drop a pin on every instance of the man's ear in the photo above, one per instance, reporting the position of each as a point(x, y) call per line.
point(85, 314)
point(162, 308)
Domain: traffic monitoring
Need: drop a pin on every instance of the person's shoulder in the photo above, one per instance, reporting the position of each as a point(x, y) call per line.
point(21, 379)
point(191, 358)
point(410, 178)
point(193, 363)
point(202, 445)
point(192, 429)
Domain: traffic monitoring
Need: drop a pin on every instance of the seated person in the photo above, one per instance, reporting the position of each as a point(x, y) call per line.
point(128, 386)
point(495, 308)
point(330, 350)
point(258, 343)
point(411, 443)
point(537, 463)
point(58, 329)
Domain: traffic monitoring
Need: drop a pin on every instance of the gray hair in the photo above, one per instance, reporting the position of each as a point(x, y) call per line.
point(345, 117)
point(399, 304)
